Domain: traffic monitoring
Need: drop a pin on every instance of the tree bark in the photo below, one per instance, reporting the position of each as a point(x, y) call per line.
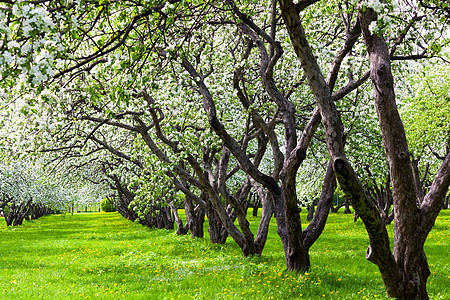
point(217, 232)
point(379, 250)
point(266, 215)
point(195, 217)
point(411, 223)
point(297, 258)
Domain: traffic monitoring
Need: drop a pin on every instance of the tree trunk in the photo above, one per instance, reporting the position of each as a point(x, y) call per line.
point(339, 204)
point(198, 221)
point(195, 217)
point(254, 202)
point(169, 219)
point(12, 213)
point(255, 211)
point(285, 201)
point(411, 224)
point(181, 230)
point(297, 258)
point(125, 198)
point(217, 233)
point(347, 209)
point(33, 212)
point(379, 250)
point(315, 228)
point(311, 210)
point(266, 215)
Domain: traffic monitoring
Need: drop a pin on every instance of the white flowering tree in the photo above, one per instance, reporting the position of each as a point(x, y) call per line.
point(404, 271)
point(226, 91)
point(120, 103)
point(26, 192)
point(427, 117)
point(31, 41)
point(175, 162)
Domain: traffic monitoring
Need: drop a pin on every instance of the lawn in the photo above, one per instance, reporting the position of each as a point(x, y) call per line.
point(103, 256)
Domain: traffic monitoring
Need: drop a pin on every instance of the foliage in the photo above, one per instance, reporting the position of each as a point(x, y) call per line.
point(120, 63)
point(108, 205)
point(167, 76)
point(426, 110)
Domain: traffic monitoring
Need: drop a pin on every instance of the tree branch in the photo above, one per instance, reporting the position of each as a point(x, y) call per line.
point(218, 127)
point(434, 199)
point(117, 152)
point(301, 5)
point(111, 123)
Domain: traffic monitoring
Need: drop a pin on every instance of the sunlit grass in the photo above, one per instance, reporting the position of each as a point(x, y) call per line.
point(103, 256)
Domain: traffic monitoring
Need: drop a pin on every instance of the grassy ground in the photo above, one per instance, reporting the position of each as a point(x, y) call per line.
point(103, 256)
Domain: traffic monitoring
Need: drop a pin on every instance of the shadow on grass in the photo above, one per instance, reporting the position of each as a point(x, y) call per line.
point(103, 256)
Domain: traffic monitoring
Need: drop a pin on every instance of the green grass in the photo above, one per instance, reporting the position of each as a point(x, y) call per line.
point(103, 256)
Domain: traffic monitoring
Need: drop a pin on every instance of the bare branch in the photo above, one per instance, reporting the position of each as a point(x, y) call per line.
point(111, 123)
point(351, 86)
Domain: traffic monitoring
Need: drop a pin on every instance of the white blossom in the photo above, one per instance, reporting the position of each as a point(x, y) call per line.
point(13, 44)
point(373, 26)
point(376, 5)
point(8, 58)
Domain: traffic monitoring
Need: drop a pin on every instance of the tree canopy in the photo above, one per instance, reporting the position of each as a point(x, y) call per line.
point(220, 105)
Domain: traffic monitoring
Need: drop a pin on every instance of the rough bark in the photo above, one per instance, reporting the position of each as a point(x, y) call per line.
point(195, 217)
point(379, 250)
point(297, 258)
point(266, 215)
point(411, 224)
point(397, 154)
point(297, 252)
point(217, 232)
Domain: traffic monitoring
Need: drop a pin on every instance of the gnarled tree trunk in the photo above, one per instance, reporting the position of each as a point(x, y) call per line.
point(404, 271)
point(195, 217)
point(217, 232)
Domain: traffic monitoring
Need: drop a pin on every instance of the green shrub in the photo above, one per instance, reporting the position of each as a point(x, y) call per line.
point(108, 205)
